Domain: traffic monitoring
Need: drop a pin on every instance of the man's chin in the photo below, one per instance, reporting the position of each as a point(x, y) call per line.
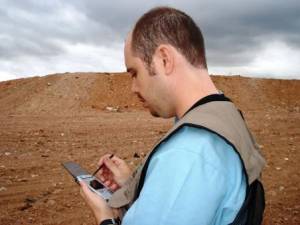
point(153, 113)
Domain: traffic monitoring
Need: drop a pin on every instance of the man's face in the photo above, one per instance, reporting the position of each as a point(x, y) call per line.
point(148, 87)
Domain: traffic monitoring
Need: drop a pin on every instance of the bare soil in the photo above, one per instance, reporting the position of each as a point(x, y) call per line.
point(48, 120)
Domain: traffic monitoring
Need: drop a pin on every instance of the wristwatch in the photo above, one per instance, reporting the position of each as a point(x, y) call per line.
point(115, 221)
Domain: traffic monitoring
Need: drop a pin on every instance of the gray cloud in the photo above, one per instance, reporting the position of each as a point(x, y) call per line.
point(235, 31)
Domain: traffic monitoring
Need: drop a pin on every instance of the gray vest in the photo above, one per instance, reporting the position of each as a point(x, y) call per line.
point(219, 117)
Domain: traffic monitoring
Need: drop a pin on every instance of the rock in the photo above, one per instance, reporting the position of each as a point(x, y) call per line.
point(40, 143)
point(25, 206)
point(7, 153)
point(46, 193)
point(56, 191)
point(161, 132)
point(62, 134)
point(273, 193)
point(3, 189)
point(281, 188)
point(51, 202)
point(112, 109)
point(30, 200)
point(136, 155)
point(23, 180)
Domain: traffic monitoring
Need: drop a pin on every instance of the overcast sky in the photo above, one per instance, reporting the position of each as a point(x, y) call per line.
point(248, 37)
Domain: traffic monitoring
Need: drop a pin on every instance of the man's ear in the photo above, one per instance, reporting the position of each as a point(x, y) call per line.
point(166, 58)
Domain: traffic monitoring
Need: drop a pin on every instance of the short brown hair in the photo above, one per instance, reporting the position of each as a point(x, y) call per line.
point(165, 25)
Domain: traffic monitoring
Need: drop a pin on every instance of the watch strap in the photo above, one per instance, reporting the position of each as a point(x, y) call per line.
point(116, 221)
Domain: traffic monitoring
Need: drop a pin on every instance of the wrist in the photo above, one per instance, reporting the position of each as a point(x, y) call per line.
point(100, 217)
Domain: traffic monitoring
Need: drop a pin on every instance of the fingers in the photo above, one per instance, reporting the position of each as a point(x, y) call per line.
point(102, 158)
point(117, 160)
point(114, 171)
point(111, 165)
point(111, 185)
point(104, 174)
point(114, 187)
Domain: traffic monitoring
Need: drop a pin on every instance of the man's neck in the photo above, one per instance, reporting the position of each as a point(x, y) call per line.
point(185, 107)
point(192, 92)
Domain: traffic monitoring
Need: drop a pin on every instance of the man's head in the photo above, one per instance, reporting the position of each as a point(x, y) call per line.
point(164, 25)
point(164, 44)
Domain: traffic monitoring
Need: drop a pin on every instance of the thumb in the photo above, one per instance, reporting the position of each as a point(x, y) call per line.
point(83, 188)
point(111, 166)
point(85, 191)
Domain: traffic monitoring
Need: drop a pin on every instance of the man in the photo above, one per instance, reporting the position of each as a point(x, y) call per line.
point(206, 169)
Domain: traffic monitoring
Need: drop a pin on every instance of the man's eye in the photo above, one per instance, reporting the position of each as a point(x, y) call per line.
point(133, 75)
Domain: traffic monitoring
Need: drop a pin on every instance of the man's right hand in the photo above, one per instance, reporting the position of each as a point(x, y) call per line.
point(114, 172)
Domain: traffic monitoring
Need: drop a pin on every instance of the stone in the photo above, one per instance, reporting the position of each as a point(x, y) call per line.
point(51, 202)
point(136, 155)
point(3, 189)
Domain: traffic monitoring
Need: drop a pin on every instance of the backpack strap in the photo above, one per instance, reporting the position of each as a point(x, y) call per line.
point(252, 210)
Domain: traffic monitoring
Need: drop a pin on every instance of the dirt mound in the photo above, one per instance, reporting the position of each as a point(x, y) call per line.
point(65, 93)
point(81, 116)
point(74, 93)
point(255, 93)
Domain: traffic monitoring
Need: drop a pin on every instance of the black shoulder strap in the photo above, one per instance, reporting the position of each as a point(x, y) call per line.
point(252, 210)
point(207, 99)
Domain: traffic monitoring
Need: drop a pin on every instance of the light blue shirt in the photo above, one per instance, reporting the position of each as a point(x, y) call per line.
point(194, 178)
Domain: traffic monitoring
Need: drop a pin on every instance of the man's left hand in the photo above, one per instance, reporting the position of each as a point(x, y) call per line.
point(97, 204)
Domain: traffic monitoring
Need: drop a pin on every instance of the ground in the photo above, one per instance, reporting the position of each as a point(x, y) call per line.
point(79, 117)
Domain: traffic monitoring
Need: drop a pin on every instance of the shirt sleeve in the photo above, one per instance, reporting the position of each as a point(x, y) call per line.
point(180, 188)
